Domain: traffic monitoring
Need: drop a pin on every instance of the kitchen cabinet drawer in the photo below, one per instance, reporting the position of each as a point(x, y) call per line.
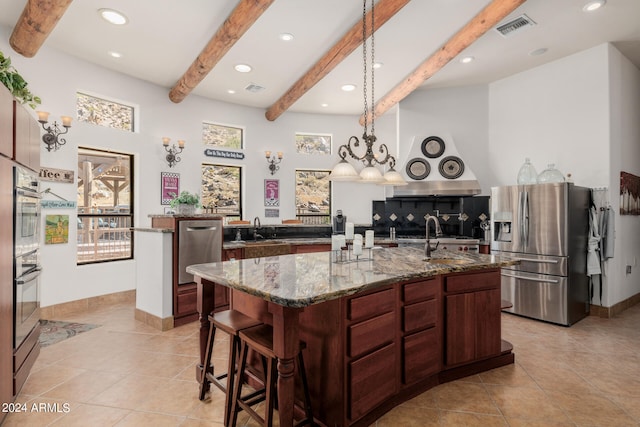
point(372, 379)
point(421, 353)
point(472, 282)
point(418, 291)
point(187, 299)
point(371, 305)
point(419, 315)
point(370, 334)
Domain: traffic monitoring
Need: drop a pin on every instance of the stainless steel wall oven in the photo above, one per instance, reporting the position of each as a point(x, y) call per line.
point(26, 267)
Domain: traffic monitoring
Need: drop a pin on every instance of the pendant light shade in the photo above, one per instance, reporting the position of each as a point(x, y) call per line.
point(393, 177)
point(371, 174)
point(344, 171)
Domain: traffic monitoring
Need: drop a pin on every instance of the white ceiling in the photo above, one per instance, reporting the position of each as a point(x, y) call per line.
point(163, 37)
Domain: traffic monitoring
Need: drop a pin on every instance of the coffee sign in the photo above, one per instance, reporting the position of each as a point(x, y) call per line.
point(56, 175)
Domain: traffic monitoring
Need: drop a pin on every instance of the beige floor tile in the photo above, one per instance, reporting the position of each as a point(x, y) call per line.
point(130, 392)
point(591, 409)
point(407, 416)
point(48, 377)
point(96, 416)
point(465, 397)
point(83, 387)
point(527, 403)
point(512, 375)
point(466, 419)
point(147, 419)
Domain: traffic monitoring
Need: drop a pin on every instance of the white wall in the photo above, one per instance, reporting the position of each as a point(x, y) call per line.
point(460, 117)
point(56, 77)
point(579, 112)
point(624, 87)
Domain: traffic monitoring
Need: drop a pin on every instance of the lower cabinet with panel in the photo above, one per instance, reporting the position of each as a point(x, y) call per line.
point(369, 352)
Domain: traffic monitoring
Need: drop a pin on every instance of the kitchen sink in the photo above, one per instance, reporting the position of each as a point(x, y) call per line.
point(264, 248)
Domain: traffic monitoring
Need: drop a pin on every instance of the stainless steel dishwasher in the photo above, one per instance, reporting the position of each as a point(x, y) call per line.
point(199, 242)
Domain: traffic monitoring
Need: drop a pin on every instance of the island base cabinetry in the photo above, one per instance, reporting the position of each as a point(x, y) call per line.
point(369, 352)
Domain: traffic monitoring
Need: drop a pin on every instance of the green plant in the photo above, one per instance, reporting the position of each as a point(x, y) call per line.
point(185, 198)
point(10, 77)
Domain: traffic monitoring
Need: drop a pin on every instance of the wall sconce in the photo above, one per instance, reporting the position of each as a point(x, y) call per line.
point(172, 152)
point(51, 138)
point(273, 162)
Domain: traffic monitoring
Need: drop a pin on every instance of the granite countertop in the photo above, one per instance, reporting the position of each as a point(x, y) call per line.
point(300, 280)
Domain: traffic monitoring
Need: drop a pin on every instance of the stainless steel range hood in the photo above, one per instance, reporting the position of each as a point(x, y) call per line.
point(438, 188)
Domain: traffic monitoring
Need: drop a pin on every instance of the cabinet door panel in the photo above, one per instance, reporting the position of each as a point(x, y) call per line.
point(488, 329)
point(371, 305)
point(372, 380)
point(6, 125)
point(372, 333)
point(420, 315)
point(460, 327)
point(421, 355)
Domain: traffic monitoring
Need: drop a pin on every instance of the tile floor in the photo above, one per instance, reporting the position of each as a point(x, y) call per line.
point(125, 373)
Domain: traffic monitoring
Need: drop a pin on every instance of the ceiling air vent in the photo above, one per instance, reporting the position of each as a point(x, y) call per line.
point(511, 27)
point(254, 88)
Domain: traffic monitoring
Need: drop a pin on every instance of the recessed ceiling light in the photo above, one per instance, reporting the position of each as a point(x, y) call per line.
point(348, 87)
point(113, 16)
point(287, 37)
point(377, 65)
point(231, 91)
point(242, 68)
point(467, 59)
point(538, 52)
point(594, 5)
point(115, 54)
point(324, 105)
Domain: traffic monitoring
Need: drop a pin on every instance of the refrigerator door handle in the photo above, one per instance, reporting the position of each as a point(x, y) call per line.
point(532, 279)
point(525, 219)
point(540, 261)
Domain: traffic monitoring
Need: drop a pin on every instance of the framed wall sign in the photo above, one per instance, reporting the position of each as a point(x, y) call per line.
point(272, 192)
point(170, 186)
point(56, 229)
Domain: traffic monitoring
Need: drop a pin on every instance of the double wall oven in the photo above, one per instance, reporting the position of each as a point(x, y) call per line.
point(26, 267)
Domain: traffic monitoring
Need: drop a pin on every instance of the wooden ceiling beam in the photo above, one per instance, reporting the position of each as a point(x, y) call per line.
point(241, 19)
point(38, 19)
point(472, 31)
point(384, 10)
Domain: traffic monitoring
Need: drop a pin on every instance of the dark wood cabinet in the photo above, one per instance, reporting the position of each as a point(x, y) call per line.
point(6, 282)
point(472, 307)
point(6, 122)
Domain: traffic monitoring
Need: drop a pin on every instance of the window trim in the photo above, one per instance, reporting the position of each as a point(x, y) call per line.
point(330, 135)
point(135, 107)
point(226, 125)
point(130, 214)
point(241, 186)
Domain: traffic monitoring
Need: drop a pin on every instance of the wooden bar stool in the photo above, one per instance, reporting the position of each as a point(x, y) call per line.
point(231, 322)
point(260, 340)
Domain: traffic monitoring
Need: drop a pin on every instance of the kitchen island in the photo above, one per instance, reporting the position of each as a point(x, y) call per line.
point(379, 331)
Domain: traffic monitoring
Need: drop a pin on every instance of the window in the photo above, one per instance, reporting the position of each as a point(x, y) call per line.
point(105, 113)
point(105, 209)
point(222, 136)
point(309, 143)
point(313, 196)
point(221, 190)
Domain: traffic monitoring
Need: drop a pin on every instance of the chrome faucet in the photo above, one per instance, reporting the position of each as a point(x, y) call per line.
point(427, 247)
point(256, 226)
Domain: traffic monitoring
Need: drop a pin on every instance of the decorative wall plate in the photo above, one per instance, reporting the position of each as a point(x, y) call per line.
point(418, 168)
point(451, 167)
point(432, 147)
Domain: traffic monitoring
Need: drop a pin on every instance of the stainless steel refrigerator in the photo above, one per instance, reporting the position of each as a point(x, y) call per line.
point(546, 227)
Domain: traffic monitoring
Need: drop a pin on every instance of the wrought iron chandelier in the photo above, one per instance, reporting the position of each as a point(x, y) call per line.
point(344, 171)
